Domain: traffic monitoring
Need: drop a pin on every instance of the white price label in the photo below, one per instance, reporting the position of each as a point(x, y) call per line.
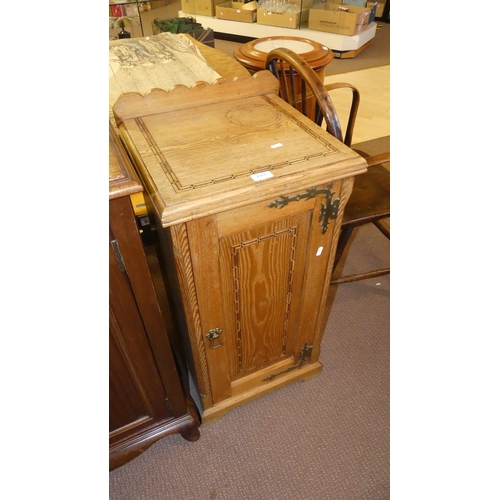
point(262, 176)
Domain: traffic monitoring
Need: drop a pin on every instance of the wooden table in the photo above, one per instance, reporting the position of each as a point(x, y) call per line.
point(247, 196)
point(163, 61)
point(253, 54)
point(227, 67)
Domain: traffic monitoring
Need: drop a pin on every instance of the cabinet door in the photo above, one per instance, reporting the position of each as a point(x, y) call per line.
point(260, 278)
point(136, 394)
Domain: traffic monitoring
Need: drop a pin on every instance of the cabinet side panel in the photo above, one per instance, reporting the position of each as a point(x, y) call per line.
point(175, 244)
point(133, 372)
point(126, 403)
point(320, 256)
point(343, 188)
point(125, 232)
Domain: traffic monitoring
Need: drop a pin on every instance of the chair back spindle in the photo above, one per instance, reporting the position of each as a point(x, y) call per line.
point(300, 86)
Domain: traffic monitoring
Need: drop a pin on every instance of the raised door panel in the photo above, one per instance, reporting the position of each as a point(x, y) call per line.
point(260, 268)
point(249, 266)
point(137, 395)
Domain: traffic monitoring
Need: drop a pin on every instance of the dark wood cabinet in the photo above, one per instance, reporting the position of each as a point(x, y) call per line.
point(147, 396)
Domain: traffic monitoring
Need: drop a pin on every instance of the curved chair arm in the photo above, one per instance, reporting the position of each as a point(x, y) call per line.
point(379, 159)
point(296, 86)
point(375, 159)
point(354, 108)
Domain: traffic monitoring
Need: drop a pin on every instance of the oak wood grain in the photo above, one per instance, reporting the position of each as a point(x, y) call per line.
point(256, 271)
point(182, 165)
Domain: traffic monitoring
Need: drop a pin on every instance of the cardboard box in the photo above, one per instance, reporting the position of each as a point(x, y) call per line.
point(328, 17)
point(376, 6)
point(237, 11)
point(373, 11)
point(286, 20)
point(144, 7)
point(354, 3)
point(156, 4)
point(380, 9)
point(200, 7)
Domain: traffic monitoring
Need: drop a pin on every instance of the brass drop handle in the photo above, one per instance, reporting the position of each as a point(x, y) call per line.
point(214, 337)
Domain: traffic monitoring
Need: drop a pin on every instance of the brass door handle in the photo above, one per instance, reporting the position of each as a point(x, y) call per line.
point(214, 337)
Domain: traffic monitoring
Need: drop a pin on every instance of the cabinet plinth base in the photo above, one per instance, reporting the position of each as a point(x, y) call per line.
point(132, 446)
point(219, 410)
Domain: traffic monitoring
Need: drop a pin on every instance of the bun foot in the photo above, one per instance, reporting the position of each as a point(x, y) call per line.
point(192, 435)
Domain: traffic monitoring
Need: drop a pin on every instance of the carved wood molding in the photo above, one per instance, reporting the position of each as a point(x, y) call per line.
point(133, 104)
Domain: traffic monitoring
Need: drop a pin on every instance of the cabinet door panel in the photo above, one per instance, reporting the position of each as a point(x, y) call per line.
point(127, 402)
point(136, 390)
point(260, 268)
point(249, 277)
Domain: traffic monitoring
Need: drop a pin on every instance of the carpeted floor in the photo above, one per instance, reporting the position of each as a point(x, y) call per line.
point(327, 438)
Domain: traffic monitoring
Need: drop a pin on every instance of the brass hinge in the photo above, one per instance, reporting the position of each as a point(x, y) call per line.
point(305, 352)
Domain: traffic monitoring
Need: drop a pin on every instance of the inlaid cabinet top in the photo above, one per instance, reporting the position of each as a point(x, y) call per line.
point(210, 147)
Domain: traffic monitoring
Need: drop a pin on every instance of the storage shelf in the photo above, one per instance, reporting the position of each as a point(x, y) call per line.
point(256, 30)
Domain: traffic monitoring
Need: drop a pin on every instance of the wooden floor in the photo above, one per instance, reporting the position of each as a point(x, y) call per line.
point(373, 118)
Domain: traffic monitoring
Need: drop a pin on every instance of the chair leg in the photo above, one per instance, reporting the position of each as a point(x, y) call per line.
point(342, 243)
point(383, 227)
point(362, 276)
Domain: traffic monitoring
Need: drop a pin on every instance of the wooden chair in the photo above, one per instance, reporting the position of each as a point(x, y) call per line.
point(369, 201)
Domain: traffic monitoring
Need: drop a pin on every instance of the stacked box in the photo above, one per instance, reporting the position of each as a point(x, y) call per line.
point(288, 19)
point(376, 6)
point(373, 10)
point(341, 19)
point(237, 11)
point(379, 5)
point(156, 4)
point(380, 9)
point(200, 7)
point(354, 3)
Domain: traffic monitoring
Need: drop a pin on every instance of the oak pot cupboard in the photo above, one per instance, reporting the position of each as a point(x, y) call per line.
point(247, 196)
